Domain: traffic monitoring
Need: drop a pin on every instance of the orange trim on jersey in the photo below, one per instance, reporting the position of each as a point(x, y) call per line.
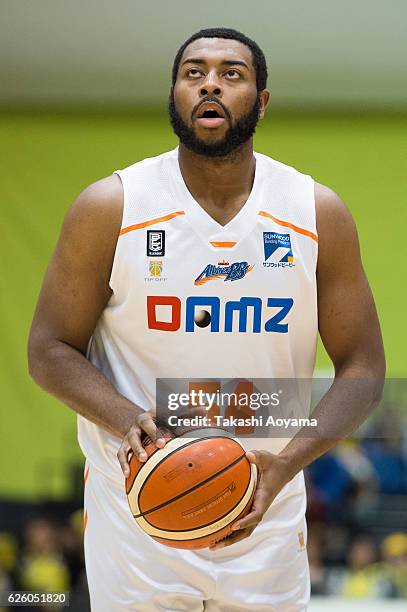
point(85, 521)
point(225, 245)
point(86, 475)
point(208, 278)
point(137, 226)
point(300, 230)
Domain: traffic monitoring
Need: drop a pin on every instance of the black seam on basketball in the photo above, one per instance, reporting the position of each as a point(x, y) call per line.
point(169, 455)
point(200, 484)
point(160, 462)
point(200, 526)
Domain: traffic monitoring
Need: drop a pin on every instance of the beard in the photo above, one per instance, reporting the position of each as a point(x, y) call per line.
point(237, 134)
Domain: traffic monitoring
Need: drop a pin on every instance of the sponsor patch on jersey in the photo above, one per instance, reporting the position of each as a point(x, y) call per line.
point(248, 315)
point(277, 250)
point(155, 243)
point(224, 270)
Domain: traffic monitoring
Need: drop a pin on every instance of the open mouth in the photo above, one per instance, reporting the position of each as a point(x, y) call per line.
point(210, 115)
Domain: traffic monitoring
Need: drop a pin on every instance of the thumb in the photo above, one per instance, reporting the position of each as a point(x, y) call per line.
point(253, 457)
point(262, 459)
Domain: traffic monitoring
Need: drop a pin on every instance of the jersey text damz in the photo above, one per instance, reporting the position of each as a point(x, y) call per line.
point(204, 311)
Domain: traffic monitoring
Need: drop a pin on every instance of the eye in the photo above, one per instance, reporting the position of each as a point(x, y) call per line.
point(193, 73)
point(233, 74)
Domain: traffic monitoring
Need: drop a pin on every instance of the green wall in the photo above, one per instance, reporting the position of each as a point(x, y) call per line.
point(49, 158)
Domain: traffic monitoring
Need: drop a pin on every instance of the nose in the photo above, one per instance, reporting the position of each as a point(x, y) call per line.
point(211, 86)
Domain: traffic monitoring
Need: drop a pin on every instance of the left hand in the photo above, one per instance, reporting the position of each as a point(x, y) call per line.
point(273, 474)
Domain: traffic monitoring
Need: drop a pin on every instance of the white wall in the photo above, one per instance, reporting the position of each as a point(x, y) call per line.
point(102, 52)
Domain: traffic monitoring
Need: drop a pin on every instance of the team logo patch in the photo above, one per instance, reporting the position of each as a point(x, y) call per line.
point(225, 270)
point(277, 250)
point(155, 243)
point(155, 268)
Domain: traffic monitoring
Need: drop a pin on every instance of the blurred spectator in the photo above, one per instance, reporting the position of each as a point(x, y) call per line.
point(48, 558)
point(330, 478)
point(41, 566)
point(366, 577)
point(315, 548)
point(8, 551)
point(8, 558)
point(336, 545)
point(71, 545)
point(394, 554)
point(385, 449)
point(353, 488)
point(362, 576)
point(354, 460)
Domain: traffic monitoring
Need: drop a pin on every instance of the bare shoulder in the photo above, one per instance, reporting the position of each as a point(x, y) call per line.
point(332, 213)
point(92, 224)
point(338, 241)
point(335, 223)
point(100, 203)
point(89, 233)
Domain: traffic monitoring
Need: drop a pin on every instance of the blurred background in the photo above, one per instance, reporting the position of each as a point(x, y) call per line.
point(83, 91)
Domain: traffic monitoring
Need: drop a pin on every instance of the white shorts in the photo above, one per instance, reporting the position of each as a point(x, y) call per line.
point(128, 571)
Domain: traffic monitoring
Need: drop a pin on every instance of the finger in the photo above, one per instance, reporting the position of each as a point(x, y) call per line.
point(259, 458)
point(123, 457)
point(261, 503)
point(253, 458)
point(136, 445)
point(231, 539)
point(146, 423)
point(251, 455)
point(251, 520)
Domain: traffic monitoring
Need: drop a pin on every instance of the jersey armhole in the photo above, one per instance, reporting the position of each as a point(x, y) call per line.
point(113, 272)
point(314, 217)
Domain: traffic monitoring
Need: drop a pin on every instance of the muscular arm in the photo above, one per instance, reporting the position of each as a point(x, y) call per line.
point(350, 331)
point(73, 295)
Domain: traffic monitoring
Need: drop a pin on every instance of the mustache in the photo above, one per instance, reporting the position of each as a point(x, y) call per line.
point(215, 100)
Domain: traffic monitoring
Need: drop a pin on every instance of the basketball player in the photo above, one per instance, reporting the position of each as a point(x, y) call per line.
point(111, 318)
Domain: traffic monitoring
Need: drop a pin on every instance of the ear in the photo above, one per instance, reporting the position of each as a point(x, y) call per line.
point(264, 100)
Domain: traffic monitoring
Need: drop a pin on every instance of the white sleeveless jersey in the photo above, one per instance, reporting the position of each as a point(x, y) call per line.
point(196, 300)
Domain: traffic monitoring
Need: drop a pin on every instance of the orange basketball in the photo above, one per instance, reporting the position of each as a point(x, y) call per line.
point(189, 493)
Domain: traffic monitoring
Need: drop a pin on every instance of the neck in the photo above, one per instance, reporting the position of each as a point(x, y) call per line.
point(219, 182)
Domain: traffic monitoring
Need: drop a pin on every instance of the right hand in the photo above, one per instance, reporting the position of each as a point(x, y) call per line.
point(144, 422)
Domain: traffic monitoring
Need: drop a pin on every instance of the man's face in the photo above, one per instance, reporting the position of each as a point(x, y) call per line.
point(214, 106)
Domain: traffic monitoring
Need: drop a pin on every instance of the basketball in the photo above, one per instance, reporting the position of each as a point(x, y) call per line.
point(189, 493)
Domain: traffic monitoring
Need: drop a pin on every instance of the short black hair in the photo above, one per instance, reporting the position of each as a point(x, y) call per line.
point(259, 61)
